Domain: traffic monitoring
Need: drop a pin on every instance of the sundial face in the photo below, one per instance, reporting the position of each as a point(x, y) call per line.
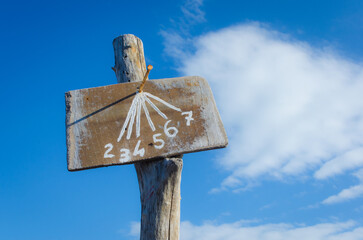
point(116, 124)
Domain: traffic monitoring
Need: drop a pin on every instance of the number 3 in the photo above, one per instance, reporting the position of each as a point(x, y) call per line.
point(125, 155)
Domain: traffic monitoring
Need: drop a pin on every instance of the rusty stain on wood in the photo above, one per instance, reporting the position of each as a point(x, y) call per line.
point(95, 118)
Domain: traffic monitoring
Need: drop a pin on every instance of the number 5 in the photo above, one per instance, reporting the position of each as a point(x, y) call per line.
point(161, 141)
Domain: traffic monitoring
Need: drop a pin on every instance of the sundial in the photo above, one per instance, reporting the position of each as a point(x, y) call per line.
point(125, 123)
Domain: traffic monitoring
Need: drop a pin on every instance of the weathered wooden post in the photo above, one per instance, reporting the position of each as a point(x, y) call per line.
point(150, 125)
point(159, 180)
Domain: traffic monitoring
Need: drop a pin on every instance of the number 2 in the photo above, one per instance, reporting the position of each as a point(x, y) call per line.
point(107, 154)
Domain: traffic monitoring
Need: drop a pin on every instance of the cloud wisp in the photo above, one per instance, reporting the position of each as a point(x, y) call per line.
point(349, 193)
point(192, 12)
point(289, 109)
point(237, 230)
point(178, 38)
point(241, 230)
point(340, 164)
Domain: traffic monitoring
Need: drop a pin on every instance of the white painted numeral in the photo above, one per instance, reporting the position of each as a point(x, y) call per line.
point(161, 141)
point(138, 151)
point(125, 155)
point(189, 117)
point(171, 131)
point(107, 154)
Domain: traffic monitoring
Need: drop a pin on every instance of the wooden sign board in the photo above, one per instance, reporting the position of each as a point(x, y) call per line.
point(116, 124)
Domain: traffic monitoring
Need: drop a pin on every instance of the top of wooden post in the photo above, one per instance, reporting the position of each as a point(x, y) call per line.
point(129, 47)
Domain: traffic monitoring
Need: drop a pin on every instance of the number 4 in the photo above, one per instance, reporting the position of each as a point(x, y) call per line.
point(138, 151)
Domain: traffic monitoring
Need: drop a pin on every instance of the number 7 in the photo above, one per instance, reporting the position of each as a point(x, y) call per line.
point(189, 117)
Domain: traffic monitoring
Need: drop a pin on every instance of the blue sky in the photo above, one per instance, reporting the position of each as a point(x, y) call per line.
point(287, 77)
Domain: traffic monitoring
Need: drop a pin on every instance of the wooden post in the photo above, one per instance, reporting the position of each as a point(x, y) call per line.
point(159, 180)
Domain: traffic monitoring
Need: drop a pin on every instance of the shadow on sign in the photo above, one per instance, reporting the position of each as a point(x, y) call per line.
point(100, 110)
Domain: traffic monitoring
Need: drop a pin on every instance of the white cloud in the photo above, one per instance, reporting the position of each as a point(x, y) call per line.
point(178, 38)
point(244, 230)
point(135, 230)
point(342, 163)
point(238, 230)
point(192, 11)
point(176, 44)
point(346, 194)
point(349, 193)
point(289, 108)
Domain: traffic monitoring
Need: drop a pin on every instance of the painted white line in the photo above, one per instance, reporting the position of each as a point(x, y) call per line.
point(126, 121)
point(147, 114)
point(132, 119)
point(156, 108)
point(163, 102)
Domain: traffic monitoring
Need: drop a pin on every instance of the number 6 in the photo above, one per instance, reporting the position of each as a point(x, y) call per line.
point(167, 130)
